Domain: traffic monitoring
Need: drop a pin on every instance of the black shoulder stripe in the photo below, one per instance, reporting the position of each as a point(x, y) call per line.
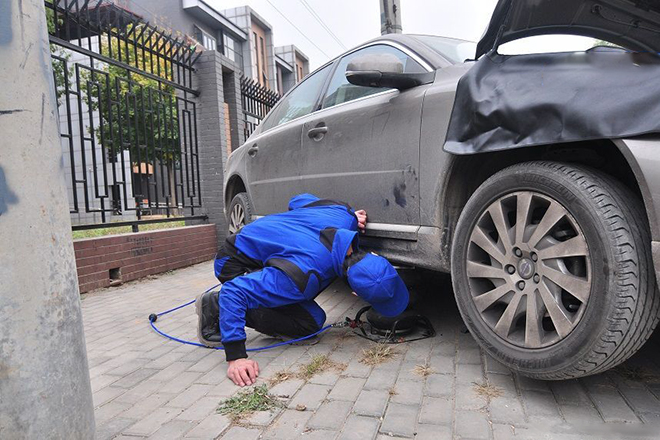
point(229, 248)
point(327, 202)
point(296, 274)
point(327, 237)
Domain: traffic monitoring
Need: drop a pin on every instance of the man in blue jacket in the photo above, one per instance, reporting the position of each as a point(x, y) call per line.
point(273, 268)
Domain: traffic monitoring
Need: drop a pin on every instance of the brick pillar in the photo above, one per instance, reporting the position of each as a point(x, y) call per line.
point(212, 138)
point(232, 90)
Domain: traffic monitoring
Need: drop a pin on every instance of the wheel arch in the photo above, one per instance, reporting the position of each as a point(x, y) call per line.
point(466, 173)
point(234, 185)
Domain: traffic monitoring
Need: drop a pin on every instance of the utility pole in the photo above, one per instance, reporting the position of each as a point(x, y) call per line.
point(44, 377)
point(390, 17)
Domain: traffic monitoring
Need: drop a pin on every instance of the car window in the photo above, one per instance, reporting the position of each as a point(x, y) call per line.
point(340, 90)
point(299, 102)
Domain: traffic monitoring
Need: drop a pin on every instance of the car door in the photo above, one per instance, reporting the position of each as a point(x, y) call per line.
point(363, 145)
point(273, 162)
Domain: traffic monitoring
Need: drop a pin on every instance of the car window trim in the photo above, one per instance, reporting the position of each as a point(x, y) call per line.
point(335, 63)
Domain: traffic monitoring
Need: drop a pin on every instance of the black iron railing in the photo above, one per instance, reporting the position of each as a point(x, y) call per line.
point(128, 123)
point(257, 102)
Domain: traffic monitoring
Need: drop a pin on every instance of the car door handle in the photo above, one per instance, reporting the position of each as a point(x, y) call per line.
point(253, 151)
point(317, 133)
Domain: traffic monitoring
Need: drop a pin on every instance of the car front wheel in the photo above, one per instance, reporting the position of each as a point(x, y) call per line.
point(239, 213)
point(552, 270)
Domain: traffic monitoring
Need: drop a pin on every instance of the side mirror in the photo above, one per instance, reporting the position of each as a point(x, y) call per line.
point(384, 70)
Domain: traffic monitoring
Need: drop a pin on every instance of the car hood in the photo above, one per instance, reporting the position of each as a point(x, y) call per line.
point(633, 24)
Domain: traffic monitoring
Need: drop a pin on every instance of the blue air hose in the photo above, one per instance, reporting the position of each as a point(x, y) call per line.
point(154, 316)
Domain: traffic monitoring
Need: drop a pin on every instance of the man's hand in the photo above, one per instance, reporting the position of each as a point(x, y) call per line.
point(362, 219)
point(243, 371)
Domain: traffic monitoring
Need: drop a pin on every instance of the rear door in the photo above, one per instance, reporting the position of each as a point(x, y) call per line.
point(274, 159)
point(363, 145)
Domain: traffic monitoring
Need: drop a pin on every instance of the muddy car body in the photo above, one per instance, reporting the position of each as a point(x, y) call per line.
point(553, 248)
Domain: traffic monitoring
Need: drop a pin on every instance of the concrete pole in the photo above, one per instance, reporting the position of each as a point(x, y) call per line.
point(44, 378)
point(390, 17)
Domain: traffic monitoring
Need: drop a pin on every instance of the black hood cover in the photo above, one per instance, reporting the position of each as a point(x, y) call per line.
point(633, 24)
point(508, 102)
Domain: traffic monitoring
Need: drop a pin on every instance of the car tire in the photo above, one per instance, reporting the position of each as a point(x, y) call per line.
point(575, 292)
point(240, 212)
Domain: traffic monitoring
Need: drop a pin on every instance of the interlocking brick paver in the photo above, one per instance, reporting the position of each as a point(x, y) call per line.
point(380, 380)
point(359, 428)
point(399, 420)
point(436, 411)
point(152, 422)
point(347, 388)
point(147, 386)
point(439, 385)
point(472, 424)
point(209, 428)
point(330, 415)
point(241, 433)
point(610, 404)
point(506, 410)
point(408, 392)
point(433, 432)
point(290, 424)
point(371, 403)
point(310, 396)
point(173, 430)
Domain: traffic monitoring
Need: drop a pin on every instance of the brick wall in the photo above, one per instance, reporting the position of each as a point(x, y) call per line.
point(115, 259)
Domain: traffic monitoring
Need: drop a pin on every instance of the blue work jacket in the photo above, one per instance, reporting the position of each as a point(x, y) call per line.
point(308, 244)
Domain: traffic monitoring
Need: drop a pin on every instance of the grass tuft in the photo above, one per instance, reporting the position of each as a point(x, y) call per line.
point(423, 370)
point(248, 401)
point(486, 390)
point(377, 354)
point(318, 364)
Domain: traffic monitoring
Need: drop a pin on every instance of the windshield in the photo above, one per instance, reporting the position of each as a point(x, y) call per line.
point(456, 51)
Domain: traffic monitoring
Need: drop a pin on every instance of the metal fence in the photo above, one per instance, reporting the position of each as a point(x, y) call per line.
point(257, 102)
point(128, 122)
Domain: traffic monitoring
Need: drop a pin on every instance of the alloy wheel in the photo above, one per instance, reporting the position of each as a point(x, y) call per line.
point(529, 269)
point(236, 218)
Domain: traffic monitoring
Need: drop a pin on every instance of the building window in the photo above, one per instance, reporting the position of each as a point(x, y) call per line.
point(205, 39)
point(231, 48)
point(255, 56)
point(264, 76)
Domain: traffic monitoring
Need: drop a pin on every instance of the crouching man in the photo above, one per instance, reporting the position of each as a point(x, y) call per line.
point(273, 268)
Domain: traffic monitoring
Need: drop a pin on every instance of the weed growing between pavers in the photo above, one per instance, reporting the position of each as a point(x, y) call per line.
point(319, 364)
point(279, 377)
point(377, 354)
point(423, 370)
point(486, 390)
point(248, 401)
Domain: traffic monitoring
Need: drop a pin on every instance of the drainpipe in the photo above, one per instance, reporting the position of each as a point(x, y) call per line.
point(45, 391)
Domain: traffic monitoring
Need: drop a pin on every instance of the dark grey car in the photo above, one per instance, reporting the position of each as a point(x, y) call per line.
point(551, 248)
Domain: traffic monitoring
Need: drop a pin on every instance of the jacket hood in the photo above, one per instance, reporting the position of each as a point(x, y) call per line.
point(343, 239)
point(301, 200)
point(633, 24)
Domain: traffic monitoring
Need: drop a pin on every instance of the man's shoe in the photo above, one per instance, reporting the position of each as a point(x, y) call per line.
point(208, 313)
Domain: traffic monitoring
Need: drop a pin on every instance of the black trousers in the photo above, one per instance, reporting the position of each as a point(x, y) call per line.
point(292, 320)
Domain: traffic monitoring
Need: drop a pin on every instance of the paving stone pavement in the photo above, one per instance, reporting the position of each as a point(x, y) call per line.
point(148, 387)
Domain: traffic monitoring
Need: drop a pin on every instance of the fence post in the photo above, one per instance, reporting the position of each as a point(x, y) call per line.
point(44, 377)
point(212, 138)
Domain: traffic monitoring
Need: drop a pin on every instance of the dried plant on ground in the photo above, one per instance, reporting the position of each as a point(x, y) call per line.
point(392, 391)
point(319, 364)
point(248, 401)
point(377, 354)
point(279, 377)
point(486, 390)
point(423, 370)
